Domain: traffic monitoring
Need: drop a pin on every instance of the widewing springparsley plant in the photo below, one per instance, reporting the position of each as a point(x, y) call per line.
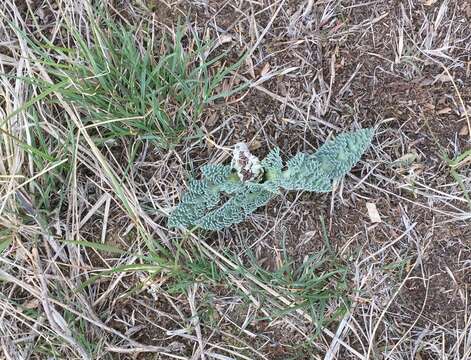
point(248, 183)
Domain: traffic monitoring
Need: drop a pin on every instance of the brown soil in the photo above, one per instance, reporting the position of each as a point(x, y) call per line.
point(418, 111)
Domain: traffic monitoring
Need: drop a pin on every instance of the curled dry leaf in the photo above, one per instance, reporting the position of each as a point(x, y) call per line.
point(246, 164)
point(444, 111)
point(373, 213)
point(443, 78)
point(265, 69)
point(250, 66)
point(406, 159)
point(428, 2)
point(464, 131)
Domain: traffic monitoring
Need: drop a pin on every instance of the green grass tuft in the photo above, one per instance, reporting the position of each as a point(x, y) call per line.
point(126, 85)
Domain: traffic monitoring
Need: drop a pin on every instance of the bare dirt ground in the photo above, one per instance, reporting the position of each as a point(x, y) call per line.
point(316, 68)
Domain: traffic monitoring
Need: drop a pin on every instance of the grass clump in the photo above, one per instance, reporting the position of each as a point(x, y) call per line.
point(127, 83)
point(317, 287)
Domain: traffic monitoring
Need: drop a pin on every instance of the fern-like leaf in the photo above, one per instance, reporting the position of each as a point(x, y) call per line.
point(235, 209)
point(273, 161)
point(304, 174)
point(194, 204)
point(336, 157)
